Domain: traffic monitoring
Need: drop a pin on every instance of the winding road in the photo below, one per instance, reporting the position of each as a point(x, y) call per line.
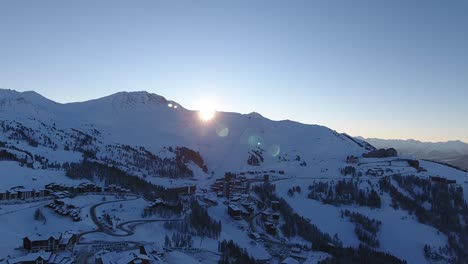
point(127, 230)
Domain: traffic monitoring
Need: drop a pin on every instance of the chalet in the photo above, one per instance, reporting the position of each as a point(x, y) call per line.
point(41, 258)
point(152, 250)
point(67, 241)
point(32, 258)
point(160, 203)
point(26, 194)
point(87, 187)
point(234, 211)
point(54, 187)
point(37, 243)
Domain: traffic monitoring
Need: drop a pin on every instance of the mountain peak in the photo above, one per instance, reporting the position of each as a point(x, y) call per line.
point(12, 94)
point(24, 101)
point(139, 97)
point(130, 100)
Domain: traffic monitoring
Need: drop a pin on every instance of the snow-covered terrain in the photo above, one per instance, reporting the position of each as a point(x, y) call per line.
point(145, 144)
point(451, 152)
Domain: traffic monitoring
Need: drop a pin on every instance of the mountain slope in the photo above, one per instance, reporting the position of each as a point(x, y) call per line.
point(143, 119)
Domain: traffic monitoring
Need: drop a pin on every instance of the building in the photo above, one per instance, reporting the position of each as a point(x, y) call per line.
point(21, 193)
point(39, 242)
point(124, 257)
point(41, 258)
point(4, 195)
point(234, 211)
point(249, 207)
point(442, 180)
point(67, 241)
point(32, 258)
point(152, 250)
point(50, 243)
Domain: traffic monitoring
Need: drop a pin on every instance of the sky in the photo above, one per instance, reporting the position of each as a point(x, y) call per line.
point(385, 69)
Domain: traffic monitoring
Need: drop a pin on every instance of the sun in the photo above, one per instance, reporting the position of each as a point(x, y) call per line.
point(207, 110)
point(206, 114)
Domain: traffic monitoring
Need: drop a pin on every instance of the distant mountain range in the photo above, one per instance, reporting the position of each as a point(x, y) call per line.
point(451, 152)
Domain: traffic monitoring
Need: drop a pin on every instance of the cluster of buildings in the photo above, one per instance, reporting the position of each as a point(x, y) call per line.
point(47, 249)
point(57, 190)
point(230, 185)
point(145, 254)
point(42, 258)
point(22, 193)
point(270, 218)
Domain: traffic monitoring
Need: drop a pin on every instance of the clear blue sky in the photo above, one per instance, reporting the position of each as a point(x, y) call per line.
point(388, 69)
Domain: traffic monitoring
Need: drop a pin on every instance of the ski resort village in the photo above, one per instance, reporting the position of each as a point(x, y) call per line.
point(134, 178)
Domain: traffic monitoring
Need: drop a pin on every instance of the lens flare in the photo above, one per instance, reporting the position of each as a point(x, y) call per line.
point(222, 131)
point(255, 141)
point(274, 150)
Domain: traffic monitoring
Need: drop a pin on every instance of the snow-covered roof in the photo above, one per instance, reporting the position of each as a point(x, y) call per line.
point(234, 206)
point(289, 261)
point(66, 238)
point(120, 257)
point(37, 236)
point(153, 248)
point(31, 257)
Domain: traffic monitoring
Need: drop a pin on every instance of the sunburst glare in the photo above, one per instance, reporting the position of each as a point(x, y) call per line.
point(207, 110)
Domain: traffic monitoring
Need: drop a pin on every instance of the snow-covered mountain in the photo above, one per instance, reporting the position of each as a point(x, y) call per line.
point(144, 119)
point(332, 200)
point(451, 152)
